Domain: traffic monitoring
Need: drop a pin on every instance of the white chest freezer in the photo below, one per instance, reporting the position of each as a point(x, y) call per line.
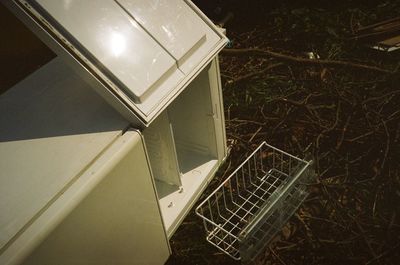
point(79, 185)
point(107, 177)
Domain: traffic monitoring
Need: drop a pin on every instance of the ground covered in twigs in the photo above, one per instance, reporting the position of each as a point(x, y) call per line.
point(343, 109)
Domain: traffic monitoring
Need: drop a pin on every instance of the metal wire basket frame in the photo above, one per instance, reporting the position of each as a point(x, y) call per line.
point(246, 210)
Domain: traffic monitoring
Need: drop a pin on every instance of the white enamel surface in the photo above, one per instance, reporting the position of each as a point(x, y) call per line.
point(176, 27)
point(138, 62)
point(175, 203)
point(160, 145)
point(111, 37)
point(109, 215)
point(53, 127)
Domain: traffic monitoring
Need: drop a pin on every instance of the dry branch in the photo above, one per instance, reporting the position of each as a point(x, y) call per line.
point(285, 57)
point(254, 74)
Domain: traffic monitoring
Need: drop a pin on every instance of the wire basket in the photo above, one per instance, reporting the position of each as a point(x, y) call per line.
point(243, 214)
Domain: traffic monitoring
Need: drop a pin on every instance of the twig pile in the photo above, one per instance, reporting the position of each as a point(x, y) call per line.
point(345, 114)
point(352, 129)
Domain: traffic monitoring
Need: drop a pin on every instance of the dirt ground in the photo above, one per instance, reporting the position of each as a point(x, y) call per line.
point(345, 116)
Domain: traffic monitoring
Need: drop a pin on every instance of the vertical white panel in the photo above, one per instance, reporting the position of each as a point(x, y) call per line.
point(218, 107)
point(119, 222)
point(160, 146)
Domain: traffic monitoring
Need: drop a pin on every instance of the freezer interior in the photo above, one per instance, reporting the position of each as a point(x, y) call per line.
point(182, 149)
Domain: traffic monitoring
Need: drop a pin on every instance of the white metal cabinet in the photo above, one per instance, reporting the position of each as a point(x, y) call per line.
point(180, 119)
point(75, 186)
point(59, 150)
point(119, 222)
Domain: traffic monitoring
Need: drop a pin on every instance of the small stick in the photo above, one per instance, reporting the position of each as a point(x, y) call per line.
point(383, 254)
point(380, 97)
point(387, 145)
point(253, 74)
point(339, 143)
point(246, 122)
point(323, 219)
point(361, 136)
point(258, 130)
point(365, 239)
point(329, 129)
point(276, 256)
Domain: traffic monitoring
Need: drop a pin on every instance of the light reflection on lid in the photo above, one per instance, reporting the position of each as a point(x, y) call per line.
point(117, 44)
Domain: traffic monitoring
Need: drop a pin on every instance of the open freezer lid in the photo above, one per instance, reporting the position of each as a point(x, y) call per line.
point(142, 52)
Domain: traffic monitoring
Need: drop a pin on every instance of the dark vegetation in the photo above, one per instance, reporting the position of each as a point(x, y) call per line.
point(346, 116)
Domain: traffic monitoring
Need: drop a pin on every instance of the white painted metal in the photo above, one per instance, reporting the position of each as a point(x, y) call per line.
point(218, 108)
point(160, 145)
point(129, 56)
point(46, 122)
point(176, 203)
point(71, 177)
point(118, 222)
point(81, 180)
point(176, 27)
point(195, 109)
point(197, 121)
point(153, 77)
point(57, 126)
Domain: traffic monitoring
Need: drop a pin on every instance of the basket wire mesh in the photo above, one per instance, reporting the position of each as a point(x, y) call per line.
point(244, 213)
